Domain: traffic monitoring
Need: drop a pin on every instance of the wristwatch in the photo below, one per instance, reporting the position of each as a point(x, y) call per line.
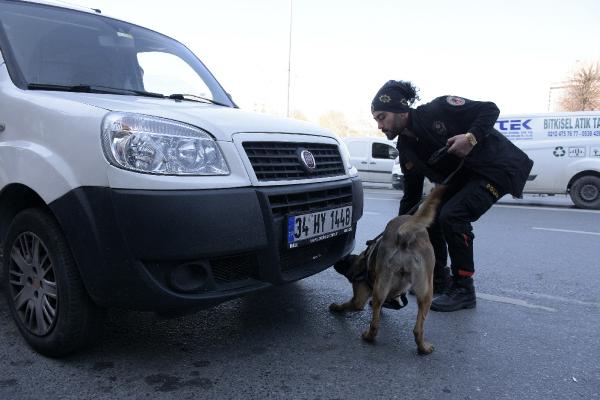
point(471, 138)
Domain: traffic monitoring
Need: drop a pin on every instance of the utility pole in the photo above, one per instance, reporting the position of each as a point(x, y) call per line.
point(562, 85)
point(289, 60)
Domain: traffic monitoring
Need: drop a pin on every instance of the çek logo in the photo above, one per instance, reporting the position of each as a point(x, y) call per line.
point(513, 124)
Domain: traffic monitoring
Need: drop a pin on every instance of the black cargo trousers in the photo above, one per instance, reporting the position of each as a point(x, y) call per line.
point(467, 198)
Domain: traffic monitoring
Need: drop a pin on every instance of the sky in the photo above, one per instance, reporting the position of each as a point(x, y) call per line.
point(510, 52)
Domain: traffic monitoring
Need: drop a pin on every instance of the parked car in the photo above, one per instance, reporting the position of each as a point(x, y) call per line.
point(397, 175)
point(373, 157)
point(129, 178)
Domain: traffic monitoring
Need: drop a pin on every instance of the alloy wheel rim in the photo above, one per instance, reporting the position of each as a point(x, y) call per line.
point(32, 284)
point(589, 192)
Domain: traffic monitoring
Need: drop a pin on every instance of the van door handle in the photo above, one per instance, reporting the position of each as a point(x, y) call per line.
point(363, 162)
point(372, 163)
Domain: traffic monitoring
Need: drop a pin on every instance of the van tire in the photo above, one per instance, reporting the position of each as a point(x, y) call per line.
point(585, 192)
point(44, 290)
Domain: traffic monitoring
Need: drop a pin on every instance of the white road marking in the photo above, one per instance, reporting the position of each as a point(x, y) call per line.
point(555, 298)
point(371, 213)
point(548, 208)
point(565, 230)
point(516, 302)
point(500, 205)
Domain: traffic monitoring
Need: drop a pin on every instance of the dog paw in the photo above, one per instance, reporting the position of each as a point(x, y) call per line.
point(368, 337)
point(336, 308)
point(426, 349)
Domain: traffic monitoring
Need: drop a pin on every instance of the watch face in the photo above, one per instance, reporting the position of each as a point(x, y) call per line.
point(471, 138)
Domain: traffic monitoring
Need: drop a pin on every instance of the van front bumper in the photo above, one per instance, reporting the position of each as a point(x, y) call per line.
point(172, 251)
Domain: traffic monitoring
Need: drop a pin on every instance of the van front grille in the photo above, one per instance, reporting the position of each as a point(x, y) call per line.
point(276, 161)
point(301, 202)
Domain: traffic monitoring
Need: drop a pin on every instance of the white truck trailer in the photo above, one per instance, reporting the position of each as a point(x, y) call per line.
point(565, 148)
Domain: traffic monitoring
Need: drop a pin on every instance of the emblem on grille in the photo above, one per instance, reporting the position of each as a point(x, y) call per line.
point(307, 160)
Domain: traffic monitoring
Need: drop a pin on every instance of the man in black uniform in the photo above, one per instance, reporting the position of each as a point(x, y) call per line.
point(479, 165)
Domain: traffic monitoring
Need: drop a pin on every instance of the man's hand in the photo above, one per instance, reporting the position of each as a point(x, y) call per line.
point(459, 145)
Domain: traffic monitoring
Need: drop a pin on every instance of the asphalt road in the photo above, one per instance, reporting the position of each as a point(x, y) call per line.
point(534, 333)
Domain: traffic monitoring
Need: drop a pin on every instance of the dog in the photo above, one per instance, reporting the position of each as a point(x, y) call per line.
point(399, 259)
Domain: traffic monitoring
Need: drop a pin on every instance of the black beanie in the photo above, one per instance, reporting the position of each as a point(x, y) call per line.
point(392, 97)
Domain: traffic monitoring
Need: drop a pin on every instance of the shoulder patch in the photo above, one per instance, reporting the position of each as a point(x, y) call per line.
point(455, 101)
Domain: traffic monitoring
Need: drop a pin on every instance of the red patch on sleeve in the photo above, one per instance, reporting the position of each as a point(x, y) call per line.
point(455, 101)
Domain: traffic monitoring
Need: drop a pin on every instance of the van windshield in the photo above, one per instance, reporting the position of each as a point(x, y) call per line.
point(52, 48)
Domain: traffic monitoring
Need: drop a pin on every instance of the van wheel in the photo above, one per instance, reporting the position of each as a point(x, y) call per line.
point(585, 192)
point(45, 293)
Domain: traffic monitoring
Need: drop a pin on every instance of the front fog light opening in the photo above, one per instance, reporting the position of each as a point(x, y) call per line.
point(191, 277)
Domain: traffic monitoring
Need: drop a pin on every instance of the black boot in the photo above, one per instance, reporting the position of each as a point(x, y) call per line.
point(393, 304)
point(460, 295)
point(442, 280)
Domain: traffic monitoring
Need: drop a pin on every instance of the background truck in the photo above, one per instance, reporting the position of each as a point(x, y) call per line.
point(565, 148)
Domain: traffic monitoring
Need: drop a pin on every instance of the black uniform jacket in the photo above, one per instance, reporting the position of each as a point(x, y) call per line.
point(494, 157)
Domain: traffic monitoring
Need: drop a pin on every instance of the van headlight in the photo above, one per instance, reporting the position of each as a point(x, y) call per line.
point(154, 145)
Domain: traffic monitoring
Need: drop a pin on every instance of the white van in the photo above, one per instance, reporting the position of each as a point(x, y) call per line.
point(373, 158)
point(129, 178)
point(565, 148)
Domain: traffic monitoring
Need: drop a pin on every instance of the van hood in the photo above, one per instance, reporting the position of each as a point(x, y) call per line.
point(222, 122)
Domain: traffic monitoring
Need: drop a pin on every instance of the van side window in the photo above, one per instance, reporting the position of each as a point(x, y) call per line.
point(381, 150)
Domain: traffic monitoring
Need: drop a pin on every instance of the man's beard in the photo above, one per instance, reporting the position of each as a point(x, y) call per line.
point(392, 133)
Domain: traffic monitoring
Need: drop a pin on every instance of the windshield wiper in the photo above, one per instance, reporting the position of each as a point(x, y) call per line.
point(111, 90)
point(92, 89)
point(193, 97)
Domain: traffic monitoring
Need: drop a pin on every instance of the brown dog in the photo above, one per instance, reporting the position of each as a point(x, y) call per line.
point(399, 259)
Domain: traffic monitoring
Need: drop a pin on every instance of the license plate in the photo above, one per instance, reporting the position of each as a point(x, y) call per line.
point(313, 227)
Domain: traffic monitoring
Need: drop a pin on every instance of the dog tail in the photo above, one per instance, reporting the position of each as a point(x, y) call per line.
point(424, 216)
point(426, 213)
